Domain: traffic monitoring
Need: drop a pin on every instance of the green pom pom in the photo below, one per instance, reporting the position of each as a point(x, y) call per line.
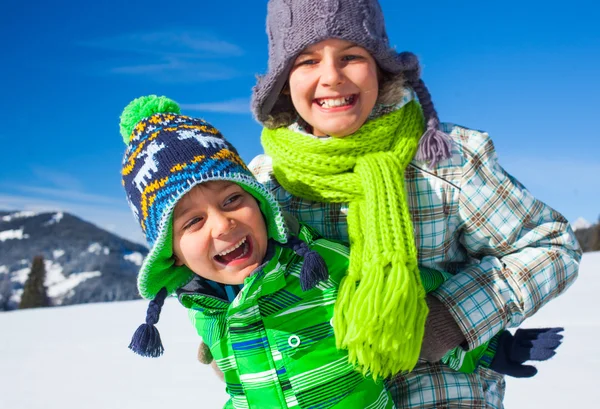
point(141, 108)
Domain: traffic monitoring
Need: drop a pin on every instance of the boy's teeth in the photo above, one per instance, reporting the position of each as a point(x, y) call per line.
point(223, 253)
point(335, 102)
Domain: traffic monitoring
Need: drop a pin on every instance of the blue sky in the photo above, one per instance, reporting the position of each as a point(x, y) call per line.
point(525, 71)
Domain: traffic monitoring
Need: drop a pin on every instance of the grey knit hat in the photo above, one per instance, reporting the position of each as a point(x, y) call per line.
point(293, 25)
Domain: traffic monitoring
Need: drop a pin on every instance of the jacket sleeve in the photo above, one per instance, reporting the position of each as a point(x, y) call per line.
point(525, 253)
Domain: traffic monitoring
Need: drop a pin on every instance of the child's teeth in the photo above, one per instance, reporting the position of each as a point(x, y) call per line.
point(335, 102)
point(242, 241)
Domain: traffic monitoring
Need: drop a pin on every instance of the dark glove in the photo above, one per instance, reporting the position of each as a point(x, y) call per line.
point(535, 344)
point(441, 332)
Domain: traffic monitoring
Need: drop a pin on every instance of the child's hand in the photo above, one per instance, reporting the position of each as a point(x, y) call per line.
point(441, 332)
point(205, 357)
point(537, 344)
point(204, 354)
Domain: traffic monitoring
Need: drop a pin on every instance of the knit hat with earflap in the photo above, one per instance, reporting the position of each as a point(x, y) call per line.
point(294, 25)
point(167, 155)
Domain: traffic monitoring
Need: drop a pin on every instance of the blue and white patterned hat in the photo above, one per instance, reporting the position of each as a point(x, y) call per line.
point(167, 155)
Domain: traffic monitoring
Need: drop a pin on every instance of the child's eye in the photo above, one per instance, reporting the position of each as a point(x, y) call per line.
point(351, 57)
point(193, 222)
point(306, 62)
point(232, 200)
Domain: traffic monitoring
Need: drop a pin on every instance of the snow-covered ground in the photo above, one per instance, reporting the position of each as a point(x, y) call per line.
point(76, 357)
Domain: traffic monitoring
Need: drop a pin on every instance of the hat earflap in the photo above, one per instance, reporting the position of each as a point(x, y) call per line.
point(146, 340)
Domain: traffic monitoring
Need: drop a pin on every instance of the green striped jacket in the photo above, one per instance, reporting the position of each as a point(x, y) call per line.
point(275, 343)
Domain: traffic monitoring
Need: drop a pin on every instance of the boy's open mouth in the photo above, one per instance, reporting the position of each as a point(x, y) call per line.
point(238, 252)
point(336, 102)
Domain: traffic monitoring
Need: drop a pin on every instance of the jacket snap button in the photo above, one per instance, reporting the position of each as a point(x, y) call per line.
point(294, 341)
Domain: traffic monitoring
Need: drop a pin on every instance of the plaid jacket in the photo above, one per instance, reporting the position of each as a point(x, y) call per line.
point(509, 253)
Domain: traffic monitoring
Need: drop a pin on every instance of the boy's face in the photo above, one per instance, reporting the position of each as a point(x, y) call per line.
point(219, 232)
point(334, 87)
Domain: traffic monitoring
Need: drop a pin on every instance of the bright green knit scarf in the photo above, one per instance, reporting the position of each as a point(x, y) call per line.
point(381, 310)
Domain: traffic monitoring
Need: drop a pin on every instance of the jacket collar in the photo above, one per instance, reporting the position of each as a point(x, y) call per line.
point(269, 277)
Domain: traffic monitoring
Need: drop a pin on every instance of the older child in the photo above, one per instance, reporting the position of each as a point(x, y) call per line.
point(353, 154)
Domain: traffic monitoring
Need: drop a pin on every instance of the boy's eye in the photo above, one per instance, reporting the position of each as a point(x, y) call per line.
point(192, 222)
point(233, 199)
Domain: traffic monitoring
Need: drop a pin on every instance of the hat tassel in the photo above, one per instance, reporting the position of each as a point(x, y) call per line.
point(146, 340)
point(314, 268)
point(434, 145)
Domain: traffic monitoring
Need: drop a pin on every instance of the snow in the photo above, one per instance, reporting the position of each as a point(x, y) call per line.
point(3, 269)
point(136, 258)
point(13, 234)
point(17, 215)
point(97, 248)
point(57, 253)
point(65, 287)
point(54, 273)
point(56, 217)
point(16, 298)
point(20, 276)
point(77, 356)
point(581, 223)
point(57, 285)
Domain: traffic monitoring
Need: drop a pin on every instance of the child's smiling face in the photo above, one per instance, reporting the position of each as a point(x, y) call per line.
point(219, 232)
point(334, 87)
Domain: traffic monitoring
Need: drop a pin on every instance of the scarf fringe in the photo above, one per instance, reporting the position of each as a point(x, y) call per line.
point(380, 311)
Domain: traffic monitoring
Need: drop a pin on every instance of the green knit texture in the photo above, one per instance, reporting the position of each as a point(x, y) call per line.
point(144, 107)
point(381, 309)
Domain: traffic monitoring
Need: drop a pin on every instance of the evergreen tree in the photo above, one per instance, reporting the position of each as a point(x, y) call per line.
point(5, 292)
point(595, 242)
point(34, 292)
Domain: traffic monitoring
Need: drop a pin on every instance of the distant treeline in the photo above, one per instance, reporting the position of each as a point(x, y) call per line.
point(589, 239)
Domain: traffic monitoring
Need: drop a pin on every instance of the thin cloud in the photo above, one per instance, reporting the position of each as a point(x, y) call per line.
point(194, 44)
point(176, 56)
point(71, 195)
point(177, 70)
point(233, 106)
point(63, 180)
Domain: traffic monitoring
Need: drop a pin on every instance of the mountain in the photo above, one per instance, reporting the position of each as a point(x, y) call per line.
point(581, 223)
point(84, 263)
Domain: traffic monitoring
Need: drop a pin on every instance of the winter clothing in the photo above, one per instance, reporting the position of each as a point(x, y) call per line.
point(384, 258)
point(441, 332)
point(275, 342)
point(509, 253)
point(294, 25)
point(527, 344)
point(167, 155)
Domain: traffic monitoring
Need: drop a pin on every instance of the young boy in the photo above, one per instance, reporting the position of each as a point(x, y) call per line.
point(260, 290)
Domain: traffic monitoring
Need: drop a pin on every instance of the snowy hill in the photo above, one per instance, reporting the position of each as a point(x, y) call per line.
point(76, 357)
point(581, 223)
point(84, 263)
